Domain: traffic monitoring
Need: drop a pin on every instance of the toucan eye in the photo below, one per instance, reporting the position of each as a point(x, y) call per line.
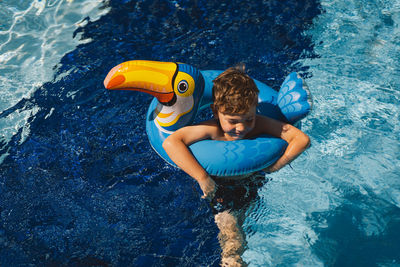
point(183, 86)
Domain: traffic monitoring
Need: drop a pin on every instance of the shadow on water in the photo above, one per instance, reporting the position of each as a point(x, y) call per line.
point(364, 231)
point(84, 186)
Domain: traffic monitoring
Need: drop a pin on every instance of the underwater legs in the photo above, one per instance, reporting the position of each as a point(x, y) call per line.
point(231, 238)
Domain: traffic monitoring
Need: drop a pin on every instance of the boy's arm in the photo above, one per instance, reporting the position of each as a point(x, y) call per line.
point(297, 140)
point(176, 146)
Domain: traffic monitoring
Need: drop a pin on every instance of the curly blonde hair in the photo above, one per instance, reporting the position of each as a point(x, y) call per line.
point(234, 92)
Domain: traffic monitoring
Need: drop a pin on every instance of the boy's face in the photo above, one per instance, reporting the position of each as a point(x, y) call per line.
point(237, 126)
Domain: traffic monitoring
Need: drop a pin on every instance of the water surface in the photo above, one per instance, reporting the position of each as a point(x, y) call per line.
point(80, 184)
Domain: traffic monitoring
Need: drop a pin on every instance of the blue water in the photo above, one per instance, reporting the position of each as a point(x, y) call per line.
point(80, 184)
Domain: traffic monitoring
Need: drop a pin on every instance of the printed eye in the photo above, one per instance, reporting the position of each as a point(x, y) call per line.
point(183, 86)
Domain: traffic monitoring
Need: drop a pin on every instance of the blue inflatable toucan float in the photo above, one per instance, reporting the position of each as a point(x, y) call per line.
point(181, 90)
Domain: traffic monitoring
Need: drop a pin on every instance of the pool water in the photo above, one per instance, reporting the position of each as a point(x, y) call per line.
point(80, 184)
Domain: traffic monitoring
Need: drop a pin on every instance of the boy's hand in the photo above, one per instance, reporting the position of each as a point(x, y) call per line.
point(270, 169)
point(282, 161)
point(208, 187)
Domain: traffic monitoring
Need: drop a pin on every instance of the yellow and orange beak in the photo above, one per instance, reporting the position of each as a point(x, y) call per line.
point(152, 77)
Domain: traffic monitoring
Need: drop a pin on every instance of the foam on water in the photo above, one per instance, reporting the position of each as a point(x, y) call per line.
point(34, 35)
point(354, 159)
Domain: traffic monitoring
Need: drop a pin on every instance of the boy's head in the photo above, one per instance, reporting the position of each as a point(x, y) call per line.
point(234, 92)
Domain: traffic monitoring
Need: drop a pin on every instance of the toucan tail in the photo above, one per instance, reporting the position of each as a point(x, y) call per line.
point(294, 98)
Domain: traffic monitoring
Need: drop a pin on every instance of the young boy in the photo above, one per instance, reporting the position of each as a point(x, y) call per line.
point(235, 98)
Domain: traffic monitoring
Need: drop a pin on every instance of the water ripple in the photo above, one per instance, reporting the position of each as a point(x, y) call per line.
point(33, 38)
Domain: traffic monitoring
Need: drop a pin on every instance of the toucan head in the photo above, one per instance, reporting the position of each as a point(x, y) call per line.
point(178, 88)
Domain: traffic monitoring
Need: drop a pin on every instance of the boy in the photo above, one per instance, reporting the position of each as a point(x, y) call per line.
point(235, 98)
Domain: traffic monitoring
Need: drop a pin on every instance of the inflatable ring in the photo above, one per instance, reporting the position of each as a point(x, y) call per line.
point(181, 90)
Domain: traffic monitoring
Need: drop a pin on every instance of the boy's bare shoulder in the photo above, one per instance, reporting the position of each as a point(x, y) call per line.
point(265, 125)
point(212, 128)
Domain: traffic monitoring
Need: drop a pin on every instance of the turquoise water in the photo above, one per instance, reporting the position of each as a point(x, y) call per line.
point(339, 205)
point(34, 35)
point(80, 185)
